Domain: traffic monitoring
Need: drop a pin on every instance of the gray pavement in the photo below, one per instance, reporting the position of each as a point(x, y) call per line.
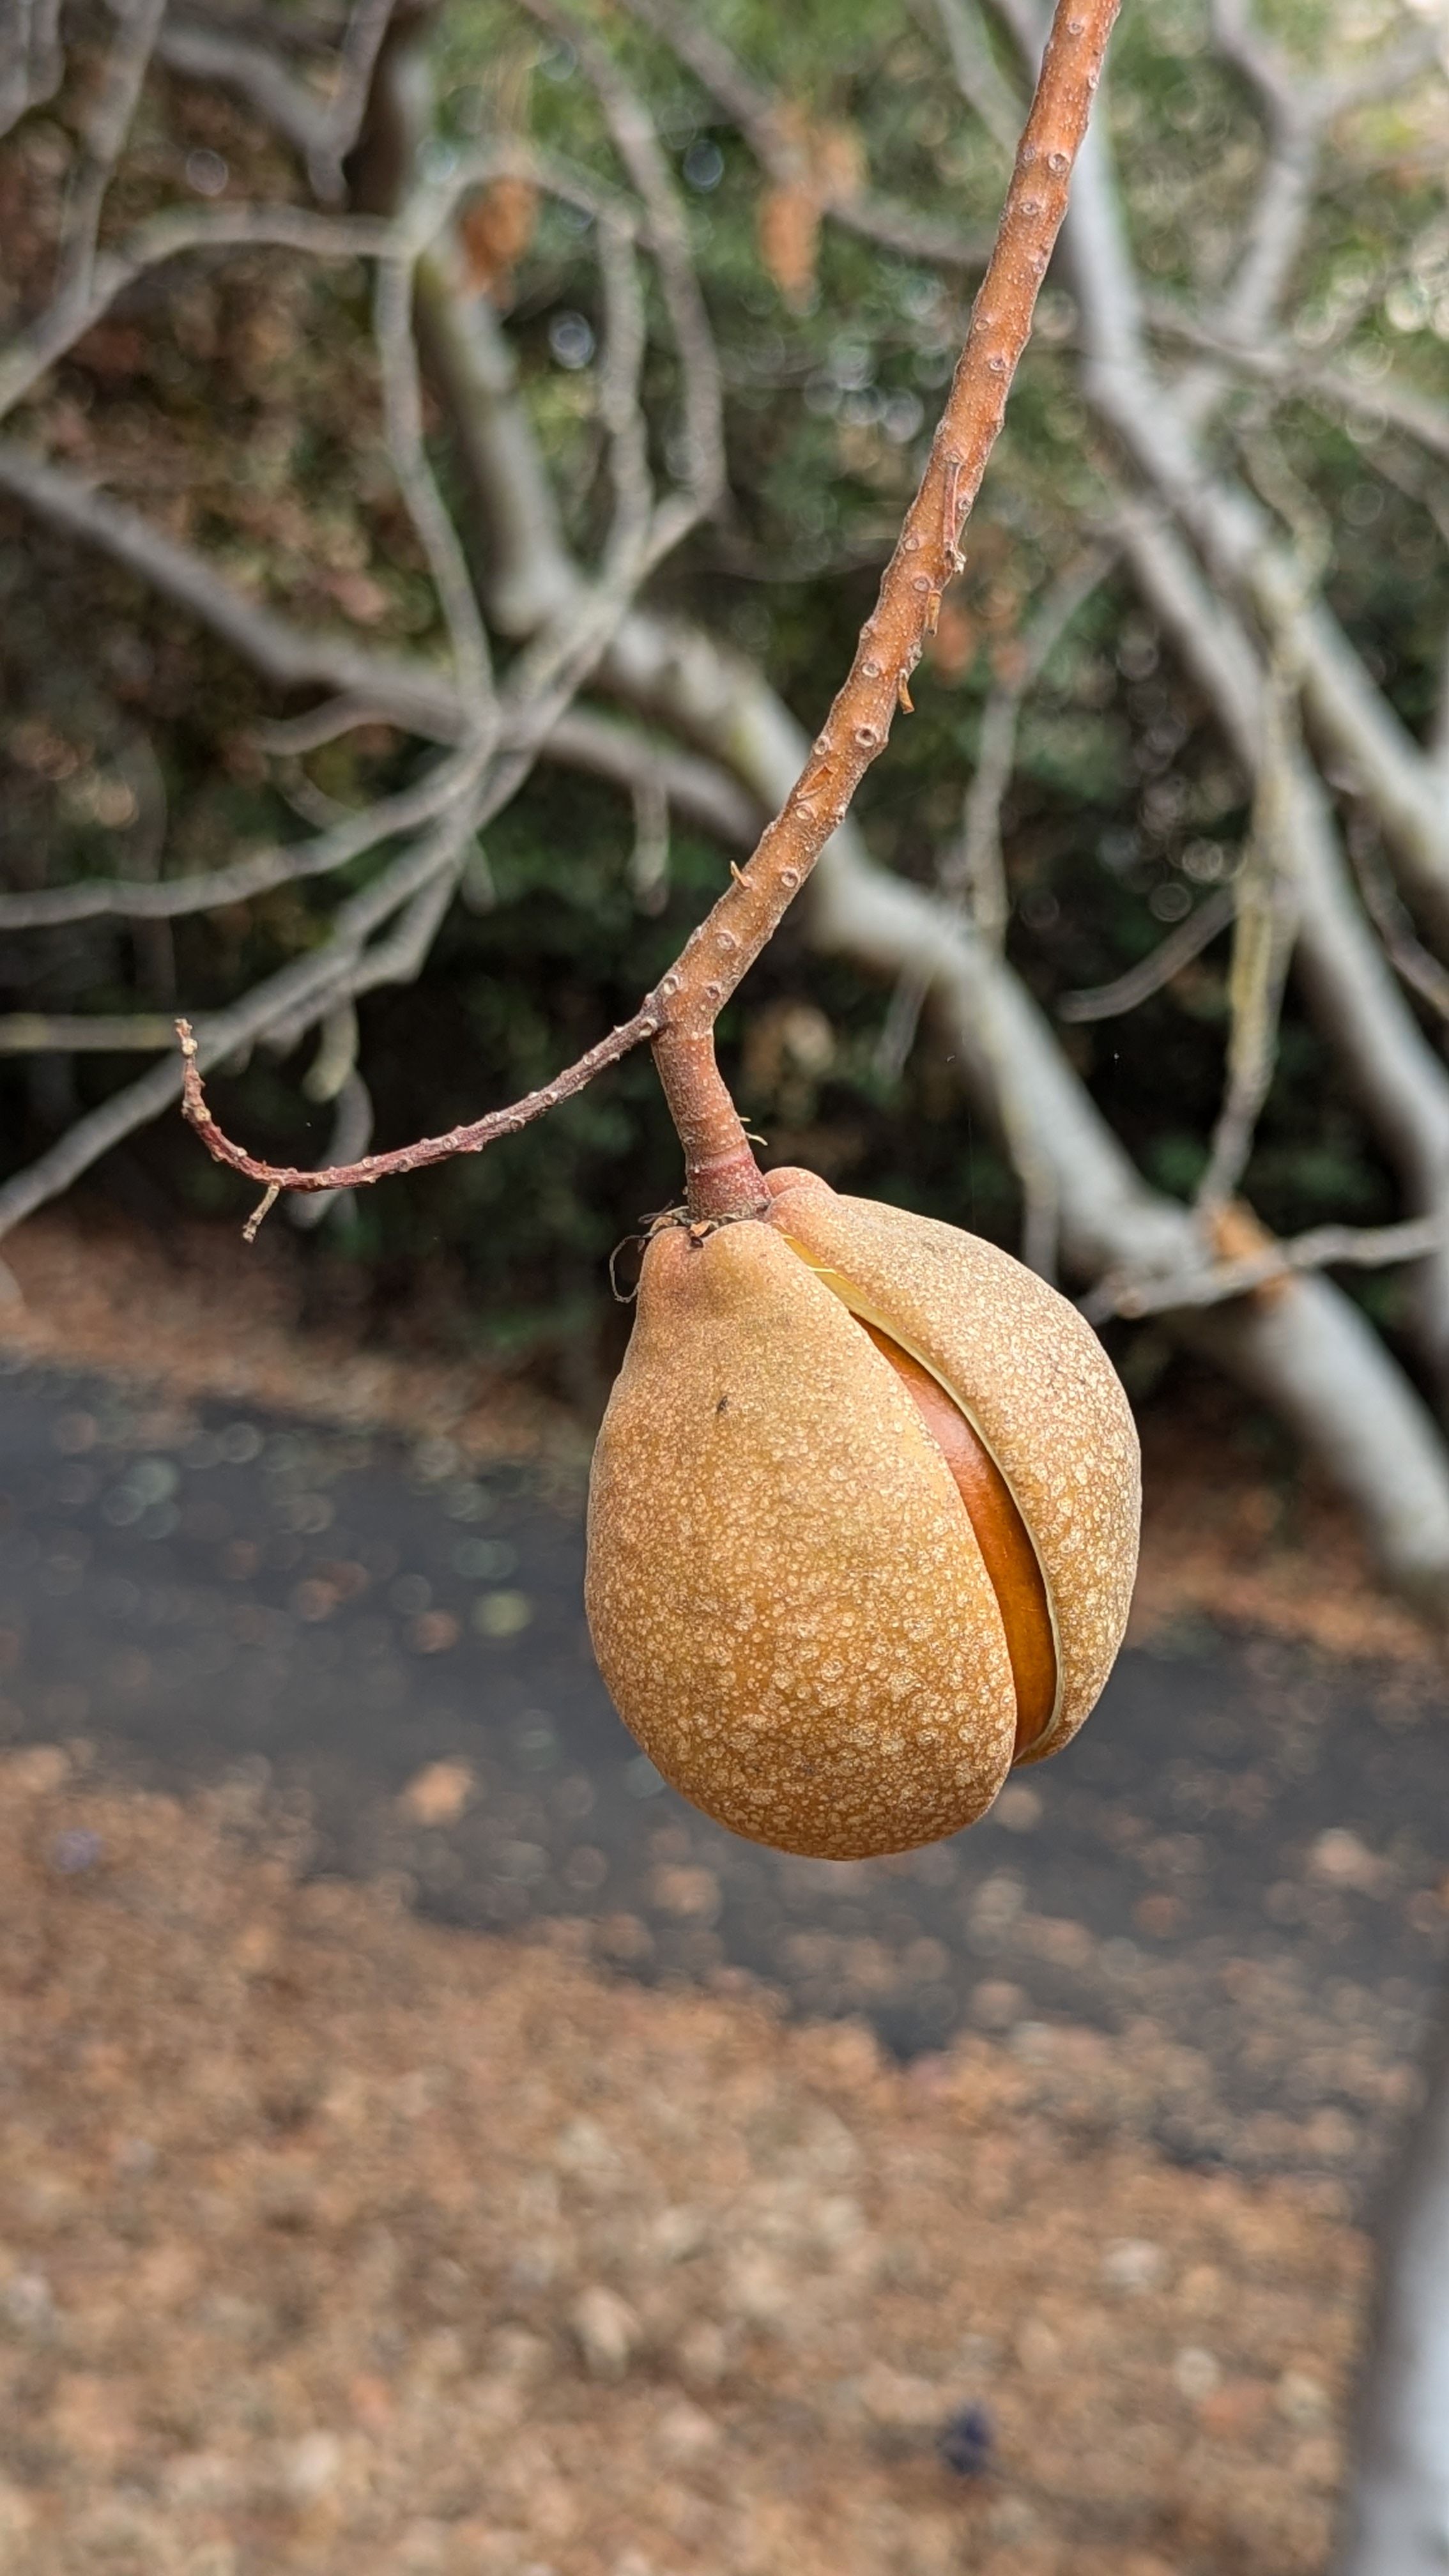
point(1237, 1878)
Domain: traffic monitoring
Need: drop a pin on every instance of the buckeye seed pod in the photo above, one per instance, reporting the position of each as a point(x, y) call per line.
point(862, 1521)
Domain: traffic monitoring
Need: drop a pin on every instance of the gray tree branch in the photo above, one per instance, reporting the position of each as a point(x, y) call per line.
point(1399, 1078)
point(412, 694)
point(1396, 2518)
point(31, 61)
point(756, 113)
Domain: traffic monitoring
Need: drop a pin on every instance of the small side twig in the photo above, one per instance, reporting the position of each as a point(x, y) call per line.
point(426, 1149)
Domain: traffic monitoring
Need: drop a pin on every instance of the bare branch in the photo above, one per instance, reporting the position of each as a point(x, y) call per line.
point(1127, 992)
point(756, 113)
point(619, 372)
point(1383, 402)
point(1295, 115)
point(1398, 2497)
point(179, 230)
point(289, 737)
point(164, 237)
point(974, 869)
point(971, 871)
point(1354, 1247)
point(700, 790)
point(1287, 90)
point(409, 693)
point(649, 858)
point(401, 956)
point(170, 899)
point(31, 61)
point(1342, 704)
point(367, 28)
point(1397, 1075)
point(637, 143)
point(351, 1136)
point(212, 56)
point(337, 1049)
point(1400, 1080)
point(402, 396)
point(1408, 956)
point(321, 130)
point(300, 991)
point(98, 1033)
point(103, 139)
point(1244, 45)
point(927, 554)
point(427, 1149)
point(1267, 894)
point(529, 577)
point(1438, 742)
point(977, 74)
point(1355, 722)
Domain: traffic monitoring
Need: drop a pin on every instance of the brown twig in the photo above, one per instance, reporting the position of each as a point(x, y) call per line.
point(680, 1014)
point(426, 1149)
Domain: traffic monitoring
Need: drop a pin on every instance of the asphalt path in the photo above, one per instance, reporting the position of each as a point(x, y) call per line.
point(1229, 1901)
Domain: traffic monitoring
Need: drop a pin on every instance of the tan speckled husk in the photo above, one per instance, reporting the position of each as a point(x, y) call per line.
point(786, 1598)
point(1031, 1376)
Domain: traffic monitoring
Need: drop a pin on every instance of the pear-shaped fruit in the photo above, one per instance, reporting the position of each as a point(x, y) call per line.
point(862, 1521)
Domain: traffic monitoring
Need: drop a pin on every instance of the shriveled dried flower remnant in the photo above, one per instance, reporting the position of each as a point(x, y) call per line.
point(862, 1524)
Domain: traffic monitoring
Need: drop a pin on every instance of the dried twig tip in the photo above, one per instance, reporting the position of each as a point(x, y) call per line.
point(253, 1224)
point(193, 1102)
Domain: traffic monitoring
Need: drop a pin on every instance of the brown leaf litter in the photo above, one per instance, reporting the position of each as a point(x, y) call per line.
point(331, 2240)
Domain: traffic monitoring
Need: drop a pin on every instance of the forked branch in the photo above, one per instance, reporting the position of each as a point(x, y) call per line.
point(680, 1014)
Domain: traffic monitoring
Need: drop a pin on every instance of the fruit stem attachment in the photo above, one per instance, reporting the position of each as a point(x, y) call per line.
point(723, 1179)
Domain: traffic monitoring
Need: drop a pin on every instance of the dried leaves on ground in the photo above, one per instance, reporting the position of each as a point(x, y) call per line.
point(200, 1313)
point(333, 2241)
